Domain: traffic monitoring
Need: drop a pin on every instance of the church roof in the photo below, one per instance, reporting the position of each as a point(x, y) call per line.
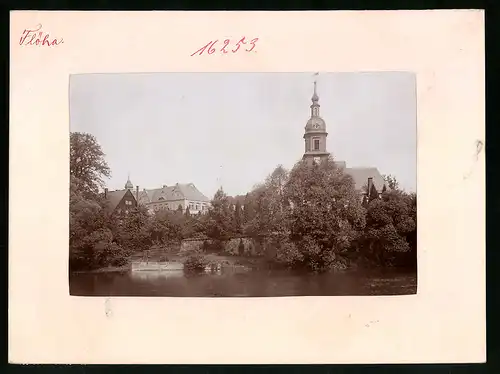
point(360, 176)
point(129, 184)
point(172, 193)
point(316, 120)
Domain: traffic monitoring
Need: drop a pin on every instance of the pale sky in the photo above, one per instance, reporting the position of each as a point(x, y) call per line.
point(233, 129)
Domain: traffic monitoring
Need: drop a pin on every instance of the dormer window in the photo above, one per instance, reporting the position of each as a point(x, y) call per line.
point(161, 198)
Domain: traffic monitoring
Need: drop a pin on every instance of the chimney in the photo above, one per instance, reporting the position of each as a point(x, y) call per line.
point(105, 193)
point(137, 195)
point(370, 184)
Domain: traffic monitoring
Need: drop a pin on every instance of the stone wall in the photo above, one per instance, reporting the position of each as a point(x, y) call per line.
point(191, 245)
point(251, 246)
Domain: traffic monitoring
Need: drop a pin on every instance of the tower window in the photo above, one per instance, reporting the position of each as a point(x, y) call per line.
point(316, 144)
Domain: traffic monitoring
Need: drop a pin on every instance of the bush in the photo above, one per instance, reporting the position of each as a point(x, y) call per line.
point(287, 252)
point(195, 262)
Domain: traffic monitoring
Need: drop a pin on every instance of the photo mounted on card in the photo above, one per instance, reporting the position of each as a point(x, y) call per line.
point(234, 186)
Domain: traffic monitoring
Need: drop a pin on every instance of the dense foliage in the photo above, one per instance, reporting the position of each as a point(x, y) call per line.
point(326, 215)
point(88, 168)
point(195, 262)
point(310, 217)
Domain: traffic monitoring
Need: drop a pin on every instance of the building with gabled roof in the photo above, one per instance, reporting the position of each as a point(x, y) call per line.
point(171, 197)
point(360, 176)
point(121, 201)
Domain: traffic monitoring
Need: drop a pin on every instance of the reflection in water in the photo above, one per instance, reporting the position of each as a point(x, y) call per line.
point(239, 283)
point(154, 275)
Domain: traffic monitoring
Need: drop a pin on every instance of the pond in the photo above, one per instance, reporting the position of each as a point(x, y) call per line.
point(227, 283)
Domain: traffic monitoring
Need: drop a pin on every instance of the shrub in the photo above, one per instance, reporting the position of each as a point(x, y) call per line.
point(195, 262)
point(287, 252)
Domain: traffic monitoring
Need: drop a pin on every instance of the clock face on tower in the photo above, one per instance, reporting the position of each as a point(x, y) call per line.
point(316, 126)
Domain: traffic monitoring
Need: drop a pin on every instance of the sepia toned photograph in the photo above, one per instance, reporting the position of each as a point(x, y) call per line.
point(243, 184)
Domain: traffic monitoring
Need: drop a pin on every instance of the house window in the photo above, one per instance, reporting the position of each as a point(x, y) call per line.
point(316, 144)
point(197, 207)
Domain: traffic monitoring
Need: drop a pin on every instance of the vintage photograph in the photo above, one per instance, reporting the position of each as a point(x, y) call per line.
point(243, 184)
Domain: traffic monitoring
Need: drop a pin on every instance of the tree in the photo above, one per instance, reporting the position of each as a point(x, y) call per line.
point(391, 181)
point(188, 213)
point(166, 227)
point(389, 221)
point(134, 233)
point(219, 225)
point(248, 209)
point(326, 215)
point(93, 237)
point(92, 241)
point(180, 209)
point(410, 258)
point(237, 217)
point(87, 164)
point(267, 206)
point(373, 194)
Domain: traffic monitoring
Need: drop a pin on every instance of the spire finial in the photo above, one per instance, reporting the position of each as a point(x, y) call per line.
point(315, 97)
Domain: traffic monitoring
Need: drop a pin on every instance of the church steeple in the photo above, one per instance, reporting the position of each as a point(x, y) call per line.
point(315, 102)
point(129, 185)
point(315, 132)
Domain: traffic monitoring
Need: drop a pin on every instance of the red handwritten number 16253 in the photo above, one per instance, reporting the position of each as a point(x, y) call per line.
point(226, 47)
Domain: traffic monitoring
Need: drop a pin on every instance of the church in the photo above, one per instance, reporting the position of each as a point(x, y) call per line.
point(188, 196)
point(315, 136)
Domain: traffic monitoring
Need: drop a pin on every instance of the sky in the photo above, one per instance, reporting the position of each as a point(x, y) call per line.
point(233, 129)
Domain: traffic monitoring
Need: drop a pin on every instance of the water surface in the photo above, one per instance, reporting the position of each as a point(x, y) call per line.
point(239, 284)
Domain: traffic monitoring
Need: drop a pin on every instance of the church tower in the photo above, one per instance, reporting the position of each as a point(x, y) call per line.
point(315, 134)
point(129, 185)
